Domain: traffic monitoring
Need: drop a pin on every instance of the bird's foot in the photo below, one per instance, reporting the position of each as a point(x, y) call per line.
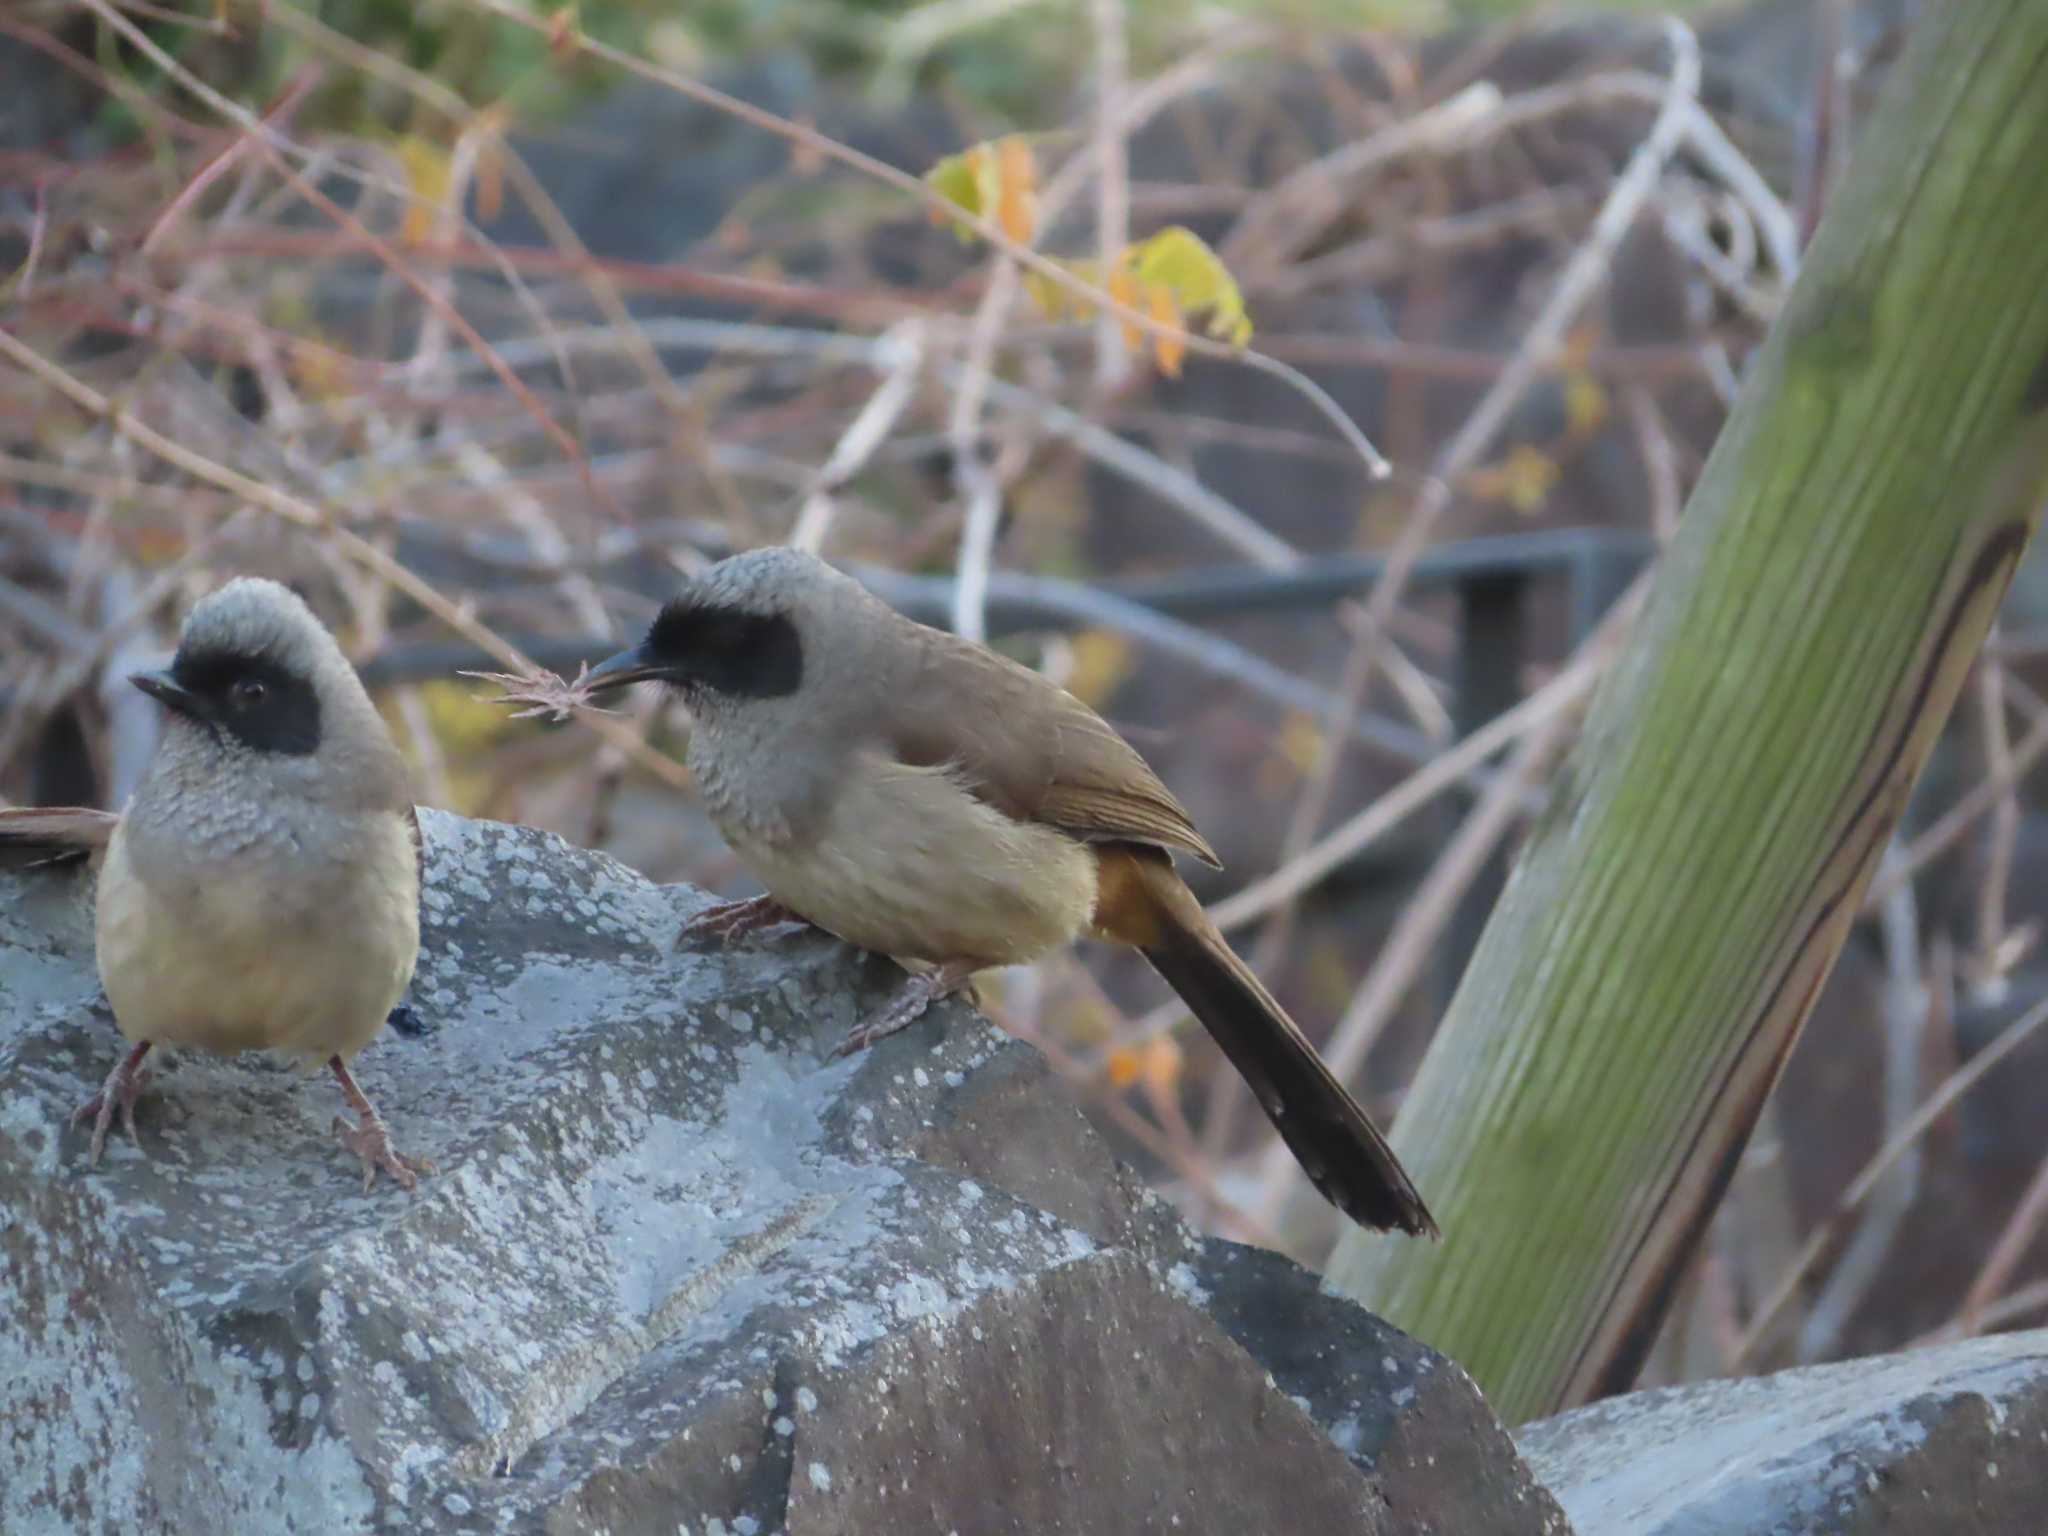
point(919, 991)
point(124, 1085)
point(730, 921)
point(370, 1140)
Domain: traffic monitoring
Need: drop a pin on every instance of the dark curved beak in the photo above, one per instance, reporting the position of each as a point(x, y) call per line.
point(634, 666)
point(167, 691)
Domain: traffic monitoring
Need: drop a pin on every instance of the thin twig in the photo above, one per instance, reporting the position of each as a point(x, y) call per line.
point(1909, 1003)
point(1989, 963)
point(1823, 1237)
point(304, 514)
point(1575, 286)
point(981, 493)
point(899, 356)
point(573, 39)
point(1112, 179)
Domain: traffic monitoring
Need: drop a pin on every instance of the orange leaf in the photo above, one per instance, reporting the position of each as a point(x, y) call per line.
point(1016, 210)
point(1122, 1067)
point(427, 173)
point(1162, 1063)
point(490, 164)
point(1123, 288)
point(1168, 349)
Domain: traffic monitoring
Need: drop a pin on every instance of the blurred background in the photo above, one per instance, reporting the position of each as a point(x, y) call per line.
point(483, 322)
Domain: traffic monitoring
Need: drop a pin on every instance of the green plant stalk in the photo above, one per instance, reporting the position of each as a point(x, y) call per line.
point(1679, 905)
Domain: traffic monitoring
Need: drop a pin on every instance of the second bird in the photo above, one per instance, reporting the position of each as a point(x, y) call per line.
point(922, 796)
point(261, 890)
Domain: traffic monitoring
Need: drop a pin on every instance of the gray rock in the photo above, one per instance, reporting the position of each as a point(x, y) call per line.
point(674, 1273)
point(1939, 1442)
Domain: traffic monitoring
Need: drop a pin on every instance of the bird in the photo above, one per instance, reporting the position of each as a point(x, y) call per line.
point(917, 794)
point(261, 889)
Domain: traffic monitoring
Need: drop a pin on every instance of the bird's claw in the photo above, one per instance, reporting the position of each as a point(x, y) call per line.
point(371, 1141)
point(917, 995)
point(730, 921)
point(124, 1085)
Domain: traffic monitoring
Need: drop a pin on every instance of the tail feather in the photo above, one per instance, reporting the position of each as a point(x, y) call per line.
point(52, 834)
point(1342, 1152)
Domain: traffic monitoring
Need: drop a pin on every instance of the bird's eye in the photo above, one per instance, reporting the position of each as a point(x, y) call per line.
point(249, 692)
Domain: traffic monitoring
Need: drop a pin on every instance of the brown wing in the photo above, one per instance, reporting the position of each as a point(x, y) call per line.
point(1030, 748)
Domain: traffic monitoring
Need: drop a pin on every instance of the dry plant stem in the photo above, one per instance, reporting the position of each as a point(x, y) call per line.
point(1301, 207)
point(1560, 697)
point(222, 163)
point(1452, 767)
point(278, 151)
point(1908, 1005)
point(560, 233)
point(1141, 104)
point(1575, 286)
point(902, 181)
point(981, 493)
point(1823, 1237)
point(1112, 178)
point(1476, 437)
point(1954, 823)
point(1667, 928)
point(2010, 1308)
point(1422, 921)
point(1988, 967)
point(306, 515)
point(1286, 218)
point(1118, 455)
point(2006, 1254)
point(1660, 462)
point(900, 355)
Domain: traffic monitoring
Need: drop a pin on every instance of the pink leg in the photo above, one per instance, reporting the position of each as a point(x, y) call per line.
point(369, 1139)
point(918, 993)
point(733, 920)
point(122, 1088)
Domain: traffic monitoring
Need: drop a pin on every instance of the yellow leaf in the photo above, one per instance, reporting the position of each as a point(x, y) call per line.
point(1524, 479)
point(1177, 260)
point(998, 182)
point(1102, 660)
point(426, 173)
point(1168, 348)
point(1048, 295)
point(1301, 741)
point(319, 371)
point(1055, 300)
point(1585, 403)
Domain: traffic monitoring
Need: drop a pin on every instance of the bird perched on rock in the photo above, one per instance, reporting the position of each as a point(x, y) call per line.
point(261, 889)
point(920, 795)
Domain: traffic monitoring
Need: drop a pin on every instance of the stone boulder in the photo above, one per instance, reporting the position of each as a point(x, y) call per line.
point(1939, 1442)
point(675, 1271)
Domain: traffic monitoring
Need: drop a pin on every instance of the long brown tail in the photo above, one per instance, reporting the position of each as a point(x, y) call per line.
point(51, 834)
point(1144, 903)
